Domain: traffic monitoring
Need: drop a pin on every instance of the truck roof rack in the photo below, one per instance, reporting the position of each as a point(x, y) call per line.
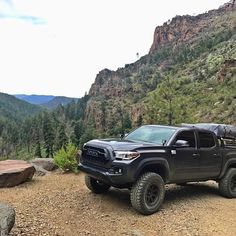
point(221, 130)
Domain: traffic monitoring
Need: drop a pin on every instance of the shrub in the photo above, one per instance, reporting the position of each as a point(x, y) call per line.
point(65, 158)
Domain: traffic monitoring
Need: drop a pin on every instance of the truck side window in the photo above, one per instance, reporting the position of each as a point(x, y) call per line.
point(206, 140)
point(187, 136)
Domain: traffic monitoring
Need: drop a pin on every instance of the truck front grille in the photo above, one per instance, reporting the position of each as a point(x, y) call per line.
point(95, 155)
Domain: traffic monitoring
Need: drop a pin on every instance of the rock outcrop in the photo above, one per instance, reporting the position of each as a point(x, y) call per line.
point(14, 172)
point(39, 171)
point(123, 91)
point(43, 166)
point(183, 29)
point(7, 219)
point(45, 163)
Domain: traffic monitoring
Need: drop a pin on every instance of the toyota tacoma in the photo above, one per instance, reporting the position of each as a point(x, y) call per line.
point(153, 155)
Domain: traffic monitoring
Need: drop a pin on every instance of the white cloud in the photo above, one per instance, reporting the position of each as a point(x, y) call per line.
point(9, 11)
point(79, 39)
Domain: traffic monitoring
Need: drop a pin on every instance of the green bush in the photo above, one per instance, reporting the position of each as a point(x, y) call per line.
point(65, 158)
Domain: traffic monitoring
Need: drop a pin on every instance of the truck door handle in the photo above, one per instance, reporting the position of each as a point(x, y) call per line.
point(196, 155)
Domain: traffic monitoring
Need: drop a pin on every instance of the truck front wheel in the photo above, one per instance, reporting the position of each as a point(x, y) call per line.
point(227, 184)
point(95, 185)
point(148, 193)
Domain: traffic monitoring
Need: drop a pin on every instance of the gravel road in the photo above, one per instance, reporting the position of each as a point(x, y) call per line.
point(60, 204)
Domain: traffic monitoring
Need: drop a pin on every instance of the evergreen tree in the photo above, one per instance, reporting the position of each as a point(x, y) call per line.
point(127, 122)
point(38, 149)
point(120, 112)
point(77, 132)
point(89, 134)
point(140, 120)
point(168, 93)
point(62, 139)
point(48, 135)
point(103, 110)
point(71, 110)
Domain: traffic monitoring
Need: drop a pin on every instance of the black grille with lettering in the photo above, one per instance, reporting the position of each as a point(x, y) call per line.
point(95, 155)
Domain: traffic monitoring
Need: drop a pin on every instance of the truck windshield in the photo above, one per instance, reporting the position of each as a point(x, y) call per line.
point(151, 134)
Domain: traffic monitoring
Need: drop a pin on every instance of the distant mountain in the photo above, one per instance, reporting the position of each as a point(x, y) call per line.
point(57, 101)
point(35, 99)
point(47, 101)
point(12, 108)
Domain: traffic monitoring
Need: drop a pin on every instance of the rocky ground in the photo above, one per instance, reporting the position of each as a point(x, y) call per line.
point(60, 204)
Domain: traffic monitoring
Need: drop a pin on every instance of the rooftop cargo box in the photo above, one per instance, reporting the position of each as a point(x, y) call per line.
point(221, 130)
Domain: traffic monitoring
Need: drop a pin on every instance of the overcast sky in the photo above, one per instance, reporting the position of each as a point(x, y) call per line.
point(58, 46)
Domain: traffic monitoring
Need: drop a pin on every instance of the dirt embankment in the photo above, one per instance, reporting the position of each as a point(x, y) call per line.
point(60, 204)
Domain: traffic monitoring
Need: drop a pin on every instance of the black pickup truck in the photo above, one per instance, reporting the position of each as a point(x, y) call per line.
point(153, 155)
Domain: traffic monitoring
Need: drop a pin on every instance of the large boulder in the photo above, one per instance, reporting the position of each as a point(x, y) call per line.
point(39, 170)
point(7, 219)
point(15, 172)
point(45, 163)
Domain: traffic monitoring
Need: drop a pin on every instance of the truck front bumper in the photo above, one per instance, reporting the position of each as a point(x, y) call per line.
point(116, 176)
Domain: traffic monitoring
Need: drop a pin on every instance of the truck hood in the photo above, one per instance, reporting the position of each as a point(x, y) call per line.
point(122, 145)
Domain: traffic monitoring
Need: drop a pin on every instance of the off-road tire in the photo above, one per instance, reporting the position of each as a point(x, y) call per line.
point(227, 184)
point(95, 185)
point(147, 193)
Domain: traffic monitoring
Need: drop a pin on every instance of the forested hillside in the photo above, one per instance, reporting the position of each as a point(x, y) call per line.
point(189, 75)
point(41, 134)
point(59, 100)
point(12, 108)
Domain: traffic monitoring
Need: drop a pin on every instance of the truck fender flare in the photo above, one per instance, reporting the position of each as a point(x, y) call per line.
point(226, 166)
point(152, 162)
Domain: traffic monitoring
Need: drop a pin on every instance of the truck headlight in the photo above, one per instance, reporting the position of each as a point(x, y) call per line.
point(125, 155)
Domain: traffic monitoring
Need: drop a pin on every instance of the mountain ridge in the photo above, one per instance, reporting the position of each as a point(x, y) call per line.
point(34, 98)
point(58, 100)
point(16, 109)
point(176, 43)
point(47, 101)
point(184, 28)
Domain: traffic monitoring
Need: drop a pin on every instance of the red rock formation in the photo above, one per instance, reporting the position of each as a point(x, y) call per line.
point(126, 87)
point(14, 172)
point(184, 28)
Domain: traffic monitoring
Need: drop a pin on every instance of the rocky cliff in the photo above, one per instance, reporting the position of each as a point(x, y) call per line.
point(115, 93)
point(183, 29)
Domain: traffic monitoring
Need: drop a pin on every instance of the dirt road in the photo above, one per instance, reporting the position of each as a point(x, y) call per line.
point(60, 204)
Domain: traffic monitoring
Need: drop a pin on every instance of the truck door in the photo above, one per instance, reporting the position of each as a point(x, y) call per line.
point(210, 155)
point(186, 157)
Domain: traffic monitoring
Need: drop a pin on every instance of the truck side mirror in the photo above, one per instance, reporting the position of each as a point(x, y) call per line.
point(181, 143)
point(123, 135)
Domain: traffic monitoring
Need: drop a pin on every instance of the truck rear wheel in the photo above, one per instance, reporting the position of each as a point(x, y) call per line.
point(95, 185)
point(148, 193)
point(227, 184)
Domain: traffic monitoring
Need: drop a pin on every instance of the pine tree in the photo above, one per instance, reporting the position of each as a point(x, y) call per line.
point(120, 113)
point(48, 135)
point(38, 149)
point(140, 120)
point(62, 140)
point(77, 133)
point(127, 122)
point(103, 118)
